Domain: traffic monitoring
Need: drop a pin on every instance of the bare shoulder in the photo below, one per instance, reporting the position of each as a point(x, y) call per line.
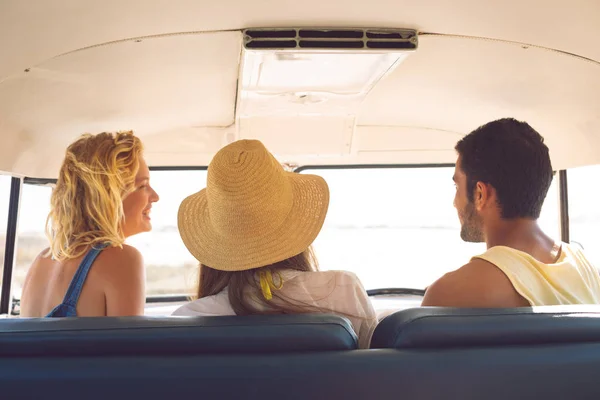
point(126, 253)
point(116, 261)
point(123, 280)
point(41, 258)
point(482, 269)
point(443, 291)
point(476, 284)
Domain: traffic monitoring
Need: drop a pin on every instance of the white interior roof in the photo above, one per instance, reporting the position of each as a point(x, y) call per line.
point(169, 70)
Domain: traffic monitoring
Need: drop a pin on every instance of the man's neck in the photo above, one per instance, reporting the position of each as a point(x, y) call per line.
point(524, 235)
point(515, 233)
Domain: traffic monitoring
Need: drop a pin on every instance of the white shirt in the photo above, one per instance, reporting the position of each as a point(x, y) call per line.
point(337, 292)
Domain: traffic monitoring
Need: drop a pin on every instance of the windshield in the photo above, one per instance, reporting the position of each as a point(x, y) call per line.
point(397, 227)
point(393, 227)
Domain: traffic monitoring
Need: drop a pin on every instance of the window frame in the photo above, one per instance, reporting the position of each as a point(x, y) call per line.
point(563, 206)
point(10, 246)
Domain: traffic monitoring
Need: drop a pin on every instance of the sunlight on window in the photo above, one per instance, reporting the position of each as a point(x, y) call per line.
point(397, 227)
point(392, 227)
point(584, 212)
point(170, 268)
point(31, 240)
point(549, 220)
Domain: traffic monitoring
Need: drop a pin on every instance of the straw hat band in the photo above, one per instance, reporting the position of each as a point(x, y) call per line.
point(236, 207)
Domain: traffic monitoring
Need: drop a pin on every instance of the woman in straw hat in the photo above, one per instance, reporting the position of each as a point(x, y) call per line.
point(102, 196)
point(251, 229)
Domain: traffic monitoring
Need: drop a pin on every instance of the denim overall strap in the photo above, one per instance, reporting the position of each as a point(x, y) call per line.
point(69, 304)
point(74, 291)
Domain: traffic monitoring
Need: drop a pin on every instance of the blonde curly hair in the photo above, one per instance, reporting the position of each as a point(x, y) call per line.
point(86, 206)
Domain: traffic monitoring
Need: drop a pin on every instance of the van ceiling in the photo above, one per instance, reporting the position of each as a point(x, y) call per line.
point(169, 70)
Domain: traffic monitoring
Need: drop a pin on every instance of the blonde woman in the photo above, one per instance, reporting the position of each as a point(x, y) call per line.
point(102, 196)
point(251, 229)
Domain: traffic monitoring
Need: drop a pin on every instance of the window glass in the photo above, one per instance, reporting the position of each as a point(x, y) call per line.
point(397, 227)
point(549, 219)
point(393, 227)
point(170, 268)
point(584, 212)
point(31, 239)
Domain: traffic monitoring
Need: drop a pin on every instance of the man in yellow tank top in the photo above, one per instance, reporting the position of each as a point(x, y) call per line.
point(502, 176)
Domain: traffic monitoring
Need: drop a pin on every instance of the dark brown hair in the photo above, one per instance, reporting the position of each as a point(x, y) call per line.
point(245, 293)
point(512, 157)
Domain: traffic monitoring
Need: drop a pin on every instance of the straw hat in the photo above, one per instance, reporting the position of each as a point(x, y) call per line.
point(252, 212)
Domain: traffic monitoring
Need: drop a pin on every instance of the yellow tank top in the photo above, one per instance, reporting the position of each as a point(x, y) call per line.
point(571, 280)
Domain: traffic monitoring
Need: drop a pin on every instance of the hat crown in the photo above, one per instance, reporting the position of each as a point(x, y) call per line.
point(247, 190)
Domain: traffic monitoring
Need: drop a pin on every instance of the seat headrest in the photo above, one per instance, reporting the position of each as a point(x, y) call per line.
point(175, 335)
point(434, 327)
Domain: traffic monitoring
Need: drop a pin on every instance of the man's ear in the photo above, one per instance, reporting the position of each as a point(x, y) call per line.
point(483, 194)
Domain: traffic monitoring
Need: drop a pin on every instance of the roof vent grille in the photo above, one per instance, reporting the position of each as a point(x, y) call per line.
point(330, 39)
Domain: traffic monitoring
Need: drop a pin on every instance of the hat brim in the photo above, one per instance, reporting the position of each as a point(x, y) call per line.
point(295, 234)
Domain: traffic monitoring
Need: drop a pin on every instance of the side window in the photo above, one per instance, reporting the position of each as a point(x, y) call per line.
point(549, 219)
point(4, 200)
point(584, 210)
point(31, 239)
point(170, 268)
point(397, 227)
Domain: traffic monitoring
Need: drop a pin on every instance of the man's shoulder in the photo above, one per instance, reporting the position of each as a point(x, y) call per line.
point(475, 273)
point(478, 283)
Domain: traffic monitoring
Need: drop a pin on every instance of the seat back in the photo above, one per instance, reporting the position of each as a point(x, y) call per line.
point(435, 327)
point(300, 357)
point(175, 335)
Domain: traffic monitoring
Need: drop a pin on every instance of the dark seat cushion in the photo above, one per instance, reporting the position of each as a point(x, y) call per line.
point(428, 327)
point(175, 335)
